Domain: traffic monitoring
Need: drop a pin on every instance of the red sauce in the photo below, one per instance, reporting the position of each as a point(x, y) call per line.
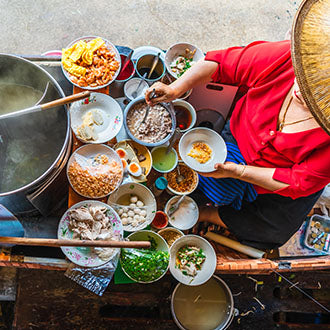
point(160, 220)
point(129, 70)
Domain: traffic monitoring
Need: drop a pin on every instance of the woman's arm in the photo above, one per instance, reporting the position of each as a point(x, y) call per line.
point(260, 176)
point(199, 73)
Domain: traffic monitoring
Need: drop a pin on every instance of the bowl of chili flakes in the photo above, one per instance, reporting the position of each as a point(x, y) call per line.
point(187, 185)
point(90, 62)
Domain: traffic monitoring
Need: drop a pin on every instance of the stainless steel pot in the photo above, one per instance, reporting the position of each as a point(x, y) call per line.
point(40, 140)
point(230, 311)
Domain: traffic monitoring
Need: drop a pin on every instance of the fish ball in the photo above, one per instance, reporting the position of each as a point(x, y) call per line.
point(130, 219)
point(124, 221)
point(120, 211)
point(124, 215)
point(139, 204)
point(134, 199)
point(130, 213)
point(137, 210)
point(135, 223)
point(136, 217)
point(132, 205)
point(143, 213)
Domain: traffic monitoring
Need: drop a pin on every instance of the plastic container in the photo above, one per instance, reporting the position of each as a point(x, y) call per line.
point(159, 186)
point(317, 236)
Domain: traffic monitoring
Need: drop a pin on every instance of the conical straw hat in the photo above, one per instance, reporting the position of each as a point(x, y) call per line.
point(311, 57)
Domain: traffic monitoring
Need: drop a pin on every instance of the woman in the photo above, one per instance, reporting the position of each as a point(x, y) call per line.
point(286, 151)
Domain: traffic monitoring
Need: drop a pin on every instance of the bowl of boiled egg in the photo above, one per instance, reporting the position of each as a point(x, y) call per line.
point(135, 204)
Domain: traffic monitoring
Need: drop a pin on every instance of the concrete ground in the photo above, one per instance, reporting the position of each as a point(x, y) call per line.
point(33, 27)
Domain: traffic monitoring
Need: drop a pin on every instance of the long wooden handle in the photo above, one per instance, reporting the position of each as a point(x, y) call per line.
point(65, 100)
point(67, 242)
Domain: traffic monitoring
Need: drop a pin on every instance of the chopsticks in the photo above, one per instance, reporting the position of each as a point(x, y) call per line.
point(66, 242)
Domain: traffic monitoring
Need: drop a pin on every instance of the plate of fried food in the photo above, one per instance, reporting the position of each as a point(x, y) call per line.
point(90, 220)
point(201, 148)
point(91, 62)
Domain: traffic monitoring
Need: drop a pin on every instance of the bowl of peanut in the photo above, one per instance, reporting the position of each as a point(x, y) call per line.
point(94, 171)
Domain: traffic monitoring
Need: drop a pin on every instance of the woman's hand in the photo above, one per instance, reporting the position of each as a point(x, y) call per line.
point(165, 93)
point(226, 170)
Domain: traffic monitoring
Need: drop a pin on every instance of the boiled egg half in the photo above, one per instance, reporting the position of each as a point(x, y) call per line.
point(134, 169)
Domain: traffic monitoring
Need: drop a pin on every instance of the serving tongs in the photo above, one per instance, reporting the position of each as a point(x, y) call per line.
point(48, 105)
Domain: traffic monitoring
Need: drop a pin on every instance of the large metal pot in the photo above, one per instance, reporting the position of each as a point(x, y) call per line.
point(33, 148)
point(193, 295)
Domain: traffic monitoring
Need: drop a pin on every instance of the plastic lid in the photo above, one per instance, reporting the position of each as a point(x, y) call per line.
point(161, 183)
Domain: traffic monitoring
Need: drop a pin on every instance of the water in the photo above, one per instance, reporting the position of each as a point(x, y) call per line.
point(16, 97)
point(29, 144)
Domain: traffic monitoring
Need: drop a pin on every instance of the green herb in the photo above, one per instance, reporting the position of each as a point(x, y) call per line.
point(144, 265)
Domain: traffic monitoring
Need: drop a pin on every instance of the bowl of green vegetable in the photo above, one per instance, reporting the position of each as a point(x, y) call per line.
point(193, 260)
point(146, 265)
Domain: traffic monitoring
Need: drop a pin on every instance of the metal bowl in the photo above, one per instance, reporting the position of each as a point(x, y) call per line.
point(167, 106)
point(109, 46)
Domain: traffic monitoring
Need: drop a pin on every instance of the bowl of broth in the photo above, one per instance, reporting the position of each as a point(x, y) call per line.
point(163, 161)
point(185, 115)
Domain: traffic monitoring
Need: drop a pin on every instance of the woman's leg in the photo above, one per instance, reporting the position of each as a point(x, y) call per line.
point(210, 214)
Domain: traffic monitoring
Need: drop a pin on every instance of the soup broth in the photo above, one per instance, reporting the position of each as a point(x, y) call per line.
point(202, 307)
point(183, 117)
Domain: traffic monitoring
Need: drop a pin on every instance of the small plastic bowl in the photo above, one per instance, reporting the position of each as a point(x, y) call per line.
point(189, 108)
point(131, 86)
point(185, 222)
point(164, 232)
point(129, 67)
point(162, 217)
point(163, 170)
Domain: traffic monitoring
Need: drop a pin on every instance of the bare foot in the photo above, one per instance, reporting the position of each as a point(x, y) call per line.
point(210, 214)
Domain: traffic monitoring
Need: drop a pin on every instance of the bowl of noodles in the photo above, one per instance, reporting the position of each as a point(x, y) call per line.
point(90, 62)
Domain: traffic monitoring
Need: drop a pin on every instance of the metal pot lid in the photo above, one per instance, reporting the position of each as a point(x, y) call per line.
point(31, 146)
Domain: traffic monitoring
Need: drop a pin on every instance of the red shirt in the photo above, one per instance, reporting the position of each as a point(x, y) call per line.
point(301, 159)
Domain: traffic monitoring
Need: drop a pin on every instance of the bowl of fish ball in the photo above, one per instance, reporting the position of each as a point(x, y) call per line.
point(192, 260)
point(170, 235)
point(135, 204)
point(91, 62)
point(182, 180)
point(180, 57)
point(94, 171)
point(146, 265)
point(96, 119)
point(158, 127)
point(201, 148)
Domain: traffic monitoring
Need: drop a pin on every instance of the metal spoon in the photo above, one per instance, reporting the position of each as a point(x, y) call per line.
point(175, 206)
point(154, 64)
point(135, 93)
point(179, 177)
point(152, 95)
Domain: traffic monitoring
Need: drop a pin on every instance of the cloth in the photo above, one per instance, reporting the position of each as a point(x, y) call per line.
point(264, 70)
point(269, 221)
point(228, 191)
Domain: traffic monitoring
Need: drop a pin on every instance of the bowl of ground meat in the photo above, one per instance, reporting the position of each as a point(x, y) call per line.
point(158, 127)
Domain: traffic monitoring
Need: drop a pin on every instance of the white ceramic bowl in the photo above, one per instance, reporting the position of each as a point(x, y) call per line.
point(131, 86)
point(190, 108)
point(110, 46)
point(85, 154)
point(212, 139)
point(208, 266)
point(110, 111)
point(144, 235)
point(144, 194)
point(184, 222)
point(178, 49)
point(172, 191)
